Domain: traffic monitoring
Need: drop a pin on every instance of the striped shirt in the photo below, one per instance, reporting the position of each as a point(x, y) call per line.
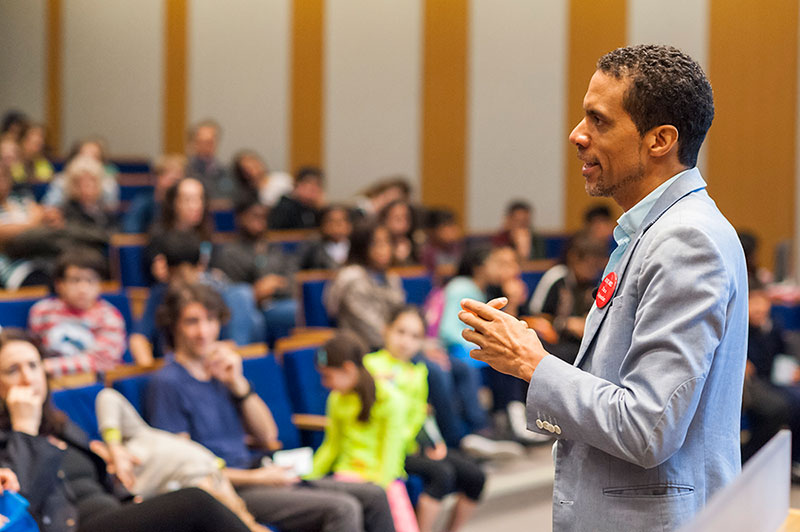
point(76, 341)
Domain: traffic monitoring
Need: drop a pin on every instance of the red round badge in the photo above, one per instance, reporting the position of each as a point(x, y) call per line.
point(606, 290)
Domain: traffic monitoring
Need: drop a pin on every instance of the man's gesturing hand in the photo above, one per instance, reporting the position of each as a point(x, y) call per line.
point(505, 343)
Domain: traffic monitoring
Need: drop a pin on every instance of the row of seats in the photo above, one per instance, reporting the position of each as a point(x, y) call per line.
point(126, 251)
point(287, 380)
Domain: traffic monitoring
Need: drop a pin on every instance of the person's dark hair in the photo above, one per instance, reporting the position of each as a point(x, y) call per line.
point(666, 87)
point(331, 208)
point(181, 247)
point(169, 213)
point(239, 171)
point(360, 241)
point(244, 204)
point(53, 420)
point(749, 243)
point(84, 258)
point(754, 284)
point(518, 205)
point(306, 173)
point(181, 295)
point(347, 347)
point(436, 218)
point(78, 144)
point(382, 185)
point(401, 310)
point(13, 118)
point(384, 214)
point(583, 245)
point(598, 211)
point(473, 258)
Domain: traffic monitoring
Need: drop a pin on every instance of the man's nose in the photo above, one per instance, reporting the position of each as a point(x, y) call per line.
point(579, 136)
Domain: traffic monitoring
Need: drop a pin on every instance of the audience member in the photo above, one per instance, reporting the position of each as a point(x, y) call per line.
point(77, 330)
point(444, 244)
point(35, 167)
point(380, 194)
point(263, 268)
point(443, 471)
point(565, 292)
point(518, 232)
point(461, 416)
point(183, 263)
point(96, 149)
point(11, 158)
point(150, 462)
point(26, 237)
point(14, 123)
point(58, 471)
point(364, 419)
point(203, 393)
point(300, 208)
point(253, 180)
point(185, 209)
point(330, 250)
point(598, 222)
point(755, 272)
point(203, 162)
point(145, 208)
point(364, 292)
point(766, 407)
point(398, 218)
point(83, 209)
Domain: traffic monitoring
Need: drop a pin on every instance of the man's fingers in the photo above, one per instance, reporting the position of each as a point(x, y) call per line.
point(474, 337)
point(477, 354)
point(498, 302)
point(482, 310)
point(471, 320)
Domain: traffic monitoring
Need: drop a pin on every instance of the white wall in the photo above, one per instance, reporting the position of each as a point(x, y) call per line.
point(238, 74)
point(113, 73)
point(372, 92)
point(517, 90)
point(23, 60)
point(680, 23)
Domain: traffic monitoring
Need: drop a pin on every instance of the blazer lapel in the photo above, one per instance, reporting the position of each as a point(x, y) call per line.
point(690, 182)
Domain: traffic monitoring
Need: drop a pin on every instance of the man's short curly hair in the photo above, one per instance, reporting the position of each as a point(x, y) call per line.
point(667, 87)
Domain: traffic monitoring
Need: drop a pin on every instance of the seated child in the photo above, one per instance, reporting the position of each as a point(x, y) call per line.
point(361, 443)
point(149, 461)
point(77, 330)
point(443, 471)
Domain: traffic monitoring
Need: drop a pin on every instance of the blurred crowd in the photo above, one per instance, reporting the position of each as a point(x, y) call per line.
point(406, 397)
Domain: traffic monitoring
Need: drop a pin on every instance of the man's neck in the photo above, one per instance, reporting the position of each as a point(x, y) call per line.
point(193, 365)
point(649, 182)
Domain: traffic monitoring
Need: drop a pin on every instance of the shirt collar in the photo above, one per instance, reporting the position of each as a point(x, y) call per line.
point(632, 219)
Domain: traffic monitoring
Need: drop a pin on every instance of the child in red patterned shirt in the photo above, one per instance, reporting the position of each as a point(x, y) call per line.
point(77, 330)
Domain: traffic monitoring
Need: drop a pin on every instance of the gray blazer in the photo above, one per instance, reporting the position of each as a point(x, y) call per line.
point(648, 418)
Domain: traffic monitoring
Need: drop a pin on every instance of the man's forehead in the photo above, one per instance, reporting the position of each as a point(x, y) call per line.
point(605, 91)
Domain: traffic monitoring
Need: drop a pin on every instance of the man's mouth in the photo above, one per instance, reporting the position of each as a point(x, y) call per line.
point(588, 167)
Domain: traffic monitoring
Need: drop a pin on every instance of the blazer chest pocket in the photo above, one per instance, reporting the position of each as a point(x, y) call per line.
point(650, 491)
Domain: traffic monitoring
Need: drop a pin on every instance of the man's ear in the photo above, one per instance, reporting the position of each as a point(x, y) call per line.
point(661, 140)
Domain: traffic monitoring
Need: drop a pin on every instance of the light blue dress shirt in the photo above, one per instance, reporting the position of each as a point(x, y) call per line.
point(632, 219)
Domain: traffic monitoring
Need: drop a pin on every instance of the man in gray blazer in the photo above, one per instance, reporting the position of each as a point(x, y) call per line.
point(647, 419)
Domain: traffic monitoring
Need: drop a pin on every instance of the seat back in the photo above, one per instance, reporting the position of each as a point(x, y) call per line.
point(78, 405)
point(268, 382)
point(305, 386)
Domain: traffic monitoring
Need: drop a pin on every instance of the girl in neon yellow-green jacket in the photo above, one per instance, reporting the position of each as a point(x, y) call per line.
point(443, 470)
point(364, 435)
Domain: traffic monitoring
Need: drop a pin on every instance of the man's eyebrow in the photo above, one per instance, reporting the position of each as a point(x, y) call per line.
point(595, 113)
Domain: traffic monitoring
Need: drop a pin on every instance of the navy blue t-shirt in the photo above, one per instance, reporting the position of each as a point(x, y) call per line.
point(177, 402)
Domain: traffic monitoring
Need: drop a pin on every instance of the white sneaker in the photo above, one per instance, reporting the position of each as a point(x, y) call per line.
point(481, 447)
point(517, 420)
